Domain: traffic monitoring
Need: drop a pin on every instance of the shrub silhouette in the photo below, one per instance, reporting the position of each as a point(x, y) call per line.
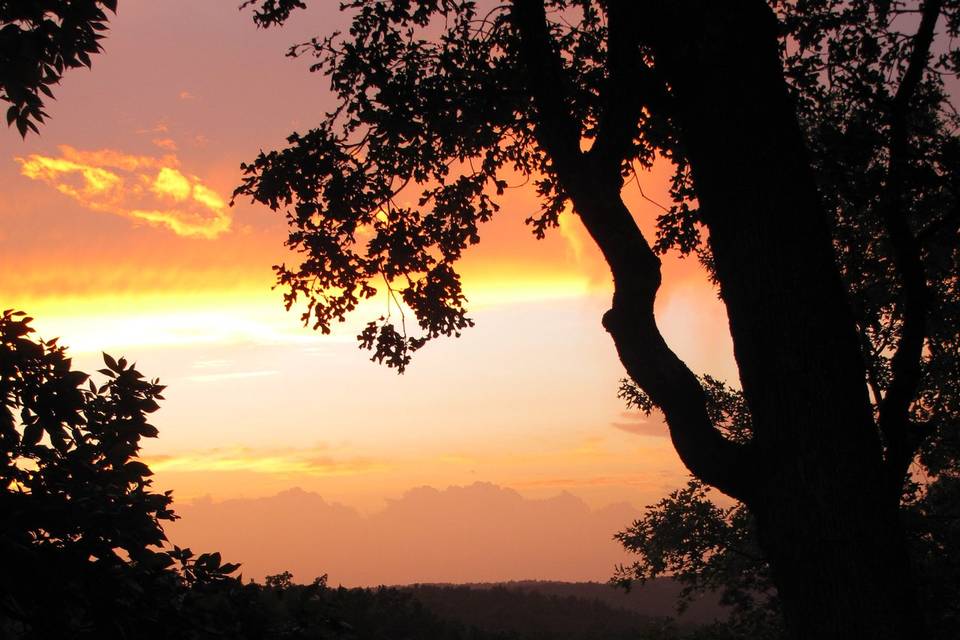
point(80, 524)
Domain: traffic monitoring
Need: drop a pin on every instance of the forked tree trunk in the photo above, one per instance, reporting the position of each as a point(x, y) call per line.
point(827, 522)
point(814, 474)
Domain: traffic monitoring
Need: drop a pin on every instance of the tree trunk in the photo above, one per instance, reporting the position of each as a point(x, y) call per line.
point(830, 532)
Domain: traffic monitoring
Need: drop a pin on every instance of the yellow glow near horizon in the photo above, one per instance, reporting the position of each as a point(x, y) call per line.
point(100, 323)
point(248, 314)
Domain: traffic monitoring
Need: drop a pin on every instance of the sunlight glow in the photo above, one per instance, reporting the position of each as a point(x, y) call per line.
point(249, 314)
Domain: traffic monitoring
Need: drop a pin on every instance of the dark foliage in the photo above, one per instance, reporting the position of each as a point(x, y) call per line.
point(39, 40)
point(415, 113)
point(282, 609)
point(709, 549)
point(80, 527)
point(528, 613)
point(841, 57)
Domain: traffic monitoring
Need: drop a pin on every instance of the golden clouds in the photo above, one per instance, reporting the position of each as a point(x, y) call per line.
point(143, 188)
point(637, 424)
point(111, 159)
point(171, 183)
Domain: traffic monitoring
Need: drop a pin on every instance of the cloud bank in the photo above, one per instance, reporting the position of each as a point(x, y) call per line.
point(480, 532)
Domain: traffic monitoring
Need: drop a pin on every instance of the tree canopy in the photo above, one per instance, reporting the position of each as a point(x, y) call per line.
point(816, 156)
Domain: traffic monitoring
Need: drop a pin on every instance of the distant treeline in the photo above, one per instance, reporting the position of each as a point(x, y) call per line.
point(278, 608)
point(654, 599)
point(504, 612)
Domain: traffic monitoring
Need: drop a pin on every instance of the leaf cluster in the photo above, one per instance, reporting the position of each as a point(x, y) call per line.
point(69, 467)
point(846, 63)
point(267, 13)
point(725, 405)
point(39, 40)
point(706, 548)
point(434, 122)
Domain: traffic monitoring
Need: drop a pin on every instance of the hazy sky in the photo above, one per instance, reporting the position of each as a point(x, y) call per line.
point(116, 236)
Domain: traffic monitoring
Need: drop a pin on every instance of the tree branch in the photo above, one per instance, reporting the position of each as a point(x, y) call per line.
point(594, 188)
point(648, 359)
point(905, 365)
point(631, 86)
point(556, 130)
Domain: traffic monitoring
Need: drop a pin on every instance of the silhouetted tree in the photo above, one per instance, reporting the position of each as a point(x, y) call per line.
point(80, 527)
point(711, 549)
point(39, 40)
point(813, 141)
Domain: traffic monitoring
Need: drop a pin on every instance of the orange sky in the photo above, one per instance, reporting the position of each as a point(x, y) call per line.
point(115, 235)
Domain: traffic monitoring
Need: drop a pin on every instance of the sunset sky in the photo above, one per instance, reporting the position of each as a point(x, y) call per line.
point(115, 234)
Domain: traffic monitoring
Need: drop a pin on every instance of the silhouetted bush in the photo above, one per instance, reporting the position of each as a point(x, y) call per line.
point(80, 526)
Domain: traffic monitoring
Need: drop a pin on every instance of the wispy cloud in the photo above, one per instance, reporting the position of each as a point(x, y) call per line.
point(631, 480)
point(641, 426)
point(231, 375)
point(160, 127)
point(145, 188)
point(165, 143)
point(312, 462)
point(211, 364)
